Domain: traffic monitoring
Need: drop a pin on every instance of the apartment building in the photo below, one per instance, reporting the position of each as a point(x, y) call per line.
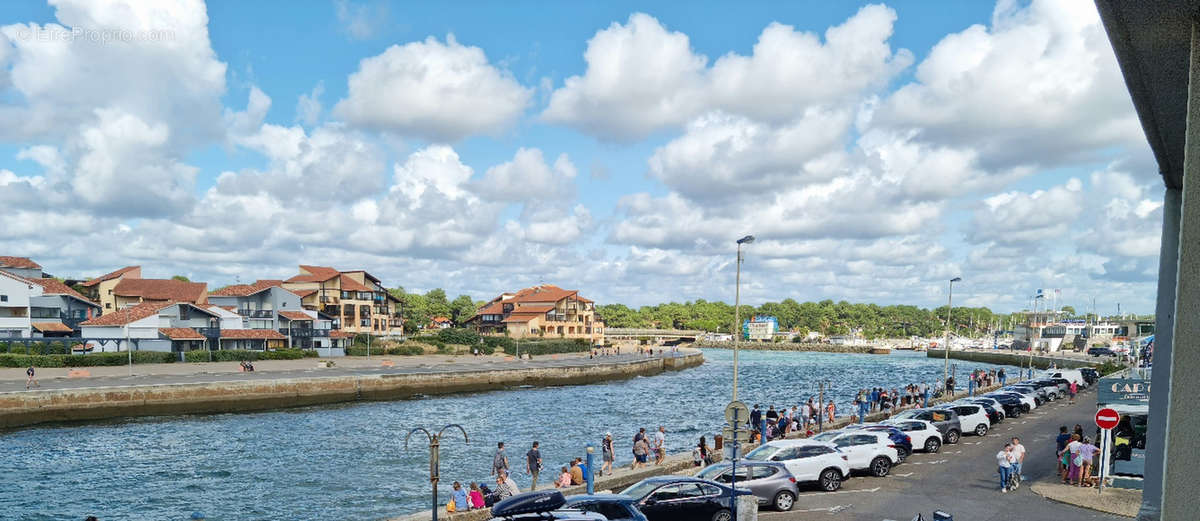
point(356, 299)
point(265, 304)
point(32, 305)
point(544, 311)
point(100, 289)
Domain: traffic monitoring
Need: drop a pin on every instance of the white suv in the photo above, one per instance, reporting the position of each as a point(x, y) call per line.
point(807, 460)
point(872, 451)
point(972, 417)
point(924, 435)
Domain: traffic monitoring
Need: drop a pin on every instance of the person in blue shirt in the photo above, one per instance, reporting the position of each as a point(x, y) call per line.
point(1061, 443)
point(583, 468)
point(460, 498)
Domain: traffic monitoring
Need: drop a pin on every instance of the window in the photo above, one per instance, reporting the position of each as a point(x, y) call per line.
point(707, 490)
point(108, 305)
point(939, 416)
point(3, 298)
point(762, 472)
point(666, 493)
point(815, 450)
point(608, 510)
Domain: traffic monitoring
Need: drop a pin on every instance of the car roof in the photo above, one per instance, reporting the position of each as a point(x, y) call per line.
point(795, 443)
point(599, 498)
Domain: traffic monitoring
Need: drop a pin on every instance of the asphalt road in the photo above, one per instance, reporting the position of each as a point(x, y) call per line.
point(404, 365)
point(961, 479)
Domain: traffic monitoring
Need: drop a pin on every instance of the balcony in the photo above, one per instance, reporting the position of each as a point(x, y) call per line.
point(305, 332)
point(256, 313)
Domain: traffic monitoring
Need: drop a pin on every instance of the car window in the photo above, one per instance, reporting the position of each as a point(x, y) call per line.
point(927, 416)
point(762, 453)
point(709, 490)
point(762, 472)
point(808, 452)
point(713, 472)
point(687, 490)
point(785, 454)
point(863, 439)
point(844, 441)
point(608, 510)
point(666, 493)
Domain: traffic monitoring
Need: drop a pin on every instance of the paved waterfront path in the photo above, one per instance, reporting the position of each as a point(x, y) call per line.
point(13, 379)
point(961, 479)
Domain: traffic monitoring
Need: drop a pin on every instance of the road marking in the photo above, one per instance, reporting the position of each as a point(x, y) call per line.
point(956, 452)
point(905, 475)
point(822, 494)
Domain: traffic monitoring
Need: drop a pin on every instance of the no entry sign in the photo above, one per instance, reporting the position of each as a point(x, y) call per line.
point(1107, 418)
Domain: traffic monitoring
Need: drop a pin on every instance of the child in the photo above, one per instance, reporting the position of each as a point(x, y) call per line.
point(460, 498)
point(476, 496)
point(564, 479)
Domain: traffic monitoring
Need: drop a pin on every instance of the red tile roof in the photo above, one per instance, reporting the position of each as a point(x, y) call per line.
point(18, 262)
point(544, 293)
point(245, 290)
point(314, 274)
point(338, 333)
point(302, 293)
point(441, 320)
point(127, 315)
point(161, 289)
point(51, 327)
point(252, 334)
point(55, 287)
point(349, 284)
point(295, 315)
point(110, 276)
point(180, 333)
point(495, 308)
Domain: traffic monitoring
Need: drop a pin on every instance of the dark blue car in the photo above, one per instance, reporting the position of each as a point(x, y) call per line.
point(903, 442)
point(671, 498)
point(614, 507)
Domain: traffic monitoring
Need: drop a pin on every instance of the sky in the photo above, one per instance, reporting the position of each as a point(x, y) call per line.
point(875, 151)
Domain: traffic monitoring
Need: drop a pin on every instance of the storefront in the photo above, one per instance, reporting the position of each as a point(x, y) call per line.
point(1127, 392)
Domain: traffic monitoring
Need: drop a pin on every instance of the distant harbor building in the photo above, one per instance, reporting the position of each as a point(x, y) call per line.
point(543, 311)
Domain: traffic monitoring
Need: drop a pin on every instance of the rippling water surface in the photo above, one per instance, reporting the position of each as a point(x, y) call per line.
point(347, 462)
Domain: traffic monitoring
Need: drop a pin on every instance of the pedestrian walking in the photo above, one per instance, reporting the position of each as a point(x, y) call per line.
point(30, 379)
point(499, 460)
point(641, 449)
point(1087, 451)
point(1003, 377)
point(830, 410)
point(950, 386)
point(1060, 445)
point(660, 447)
point(533, 465)
point(1004, 465)
point(606, 446)
point(1073, 388)
point(755, 417)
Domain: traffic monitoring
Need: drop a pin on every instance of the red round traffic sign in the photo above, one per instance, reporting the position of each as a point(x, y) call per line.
point(1107, 418)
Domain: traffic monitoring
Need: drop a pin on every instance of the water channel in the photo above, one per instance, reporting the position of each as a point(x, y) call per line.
point(348, 462)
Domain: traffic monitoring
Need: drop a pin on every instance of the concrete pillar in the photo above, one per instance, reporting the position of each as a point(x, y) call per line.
point(1181, 459)
point(1168, 266)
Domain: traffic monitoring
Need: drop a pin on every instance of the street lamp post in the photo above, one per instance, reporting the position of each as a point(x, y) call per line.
point(949, 309)
point(737, 316)
point(434, 448)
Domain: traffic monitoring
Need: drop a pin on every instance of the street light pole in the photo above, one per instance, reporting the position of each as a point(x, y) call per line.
point(737, 316)
point(435, 441)
point(949, 309)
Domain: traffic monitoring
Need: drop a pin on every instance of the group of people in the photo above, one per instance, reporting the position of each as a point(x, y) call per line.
point(644, 446)
point(878, 399)
point(986, 377)
point(1075, 454)
point(1009, 461)
point(783, 421)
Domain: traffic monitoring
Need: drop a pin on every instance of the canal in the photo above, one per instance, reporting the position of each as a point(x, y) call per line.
point(347, 462)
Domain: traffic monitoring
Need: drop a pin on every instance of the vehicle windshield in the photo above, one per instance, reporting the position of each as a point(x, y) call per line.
point(714, 470)
point(762, 453)
point(826, 436)
point(904, 415)
point(641, 489)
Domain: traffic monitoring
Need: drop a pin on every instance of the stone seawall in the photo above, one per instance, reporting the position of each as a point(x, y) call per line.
point(1017, 359)
point(789, 346)
point(19, 409)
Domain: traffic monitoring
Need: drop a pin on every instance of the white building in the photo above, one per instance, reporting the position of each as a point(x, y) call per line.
point(15, 293)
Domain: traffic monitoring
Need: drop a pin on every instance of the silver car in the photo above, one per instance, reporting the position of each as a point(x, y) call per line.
point(768, 480)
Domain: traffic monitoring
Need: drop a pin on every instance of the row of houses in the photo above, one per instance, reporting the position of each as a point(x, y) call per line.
point(318, 308)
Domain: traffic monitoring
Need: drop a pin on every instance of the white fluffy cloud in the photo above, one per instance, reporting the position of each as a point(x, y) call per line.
point(1015, 217)
point(642, 77)
point(528, 177)
point(434, 91)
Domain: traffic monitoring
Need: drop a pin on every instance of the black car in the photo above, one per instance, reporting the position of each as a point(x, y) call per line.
point(541, 505)
point(1013, 406)
point(666, 498)
point(1090, 375)
point(994, 416)
point(1101, 351)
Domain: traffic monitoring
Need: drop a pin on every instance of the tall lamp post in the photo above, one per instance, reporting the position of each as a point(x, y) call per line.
point(434, 448)
point(737, 316)
point(949, 309)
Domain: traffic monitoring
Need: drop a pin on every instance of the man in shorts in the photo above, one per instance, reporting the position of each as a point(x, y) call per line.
point(30, 380)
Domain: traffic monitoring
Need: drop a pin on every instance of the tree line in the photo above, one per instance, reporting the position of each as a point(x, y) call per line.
point(825, 317)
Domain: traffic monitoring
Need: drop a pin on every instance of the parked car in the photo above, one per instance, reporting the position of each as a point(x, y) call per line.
point(614, 507)
point(990, 402)
point(541, 505)
point(1039, 394)
point(1027, 403)
point(946, 421)
point(1090, 374)
point(667, 498)
point(1013, 406)
point(1071, 375)
point(972, 417)
point(871, 451)
point(994, 412)
point(903, 441)
point(770, 481)
point(1049, 386)
point(924, 435)
point(807, 460)
point(1101, 351)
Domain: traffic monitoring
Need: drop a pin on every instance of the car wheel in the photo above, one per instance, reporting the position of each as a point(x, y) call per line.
point(880, 466)
point(831, 480)
point(1024, 408)
point(952, 437)
point(981, 429)
point(784, 501)
point(722, 515)
point(902, 453)
point(932, 445)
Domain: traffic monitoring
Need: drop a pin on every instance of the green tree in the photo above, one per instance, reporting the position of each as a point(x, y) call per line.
point(180, 277)
point(461, 309)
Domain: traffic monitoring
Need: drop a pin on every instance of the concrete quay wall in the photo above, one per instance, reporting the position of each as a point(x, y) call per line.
point(1011, 358)
point(18, 409)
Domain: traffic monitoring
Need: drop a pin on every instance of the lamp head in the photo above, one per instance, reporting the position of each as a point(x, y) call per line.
point(956, 279)
point(746, 240)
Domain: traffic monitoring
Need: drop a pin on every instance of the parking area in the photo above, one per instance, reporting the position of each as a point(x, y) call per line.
point(961, 479)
